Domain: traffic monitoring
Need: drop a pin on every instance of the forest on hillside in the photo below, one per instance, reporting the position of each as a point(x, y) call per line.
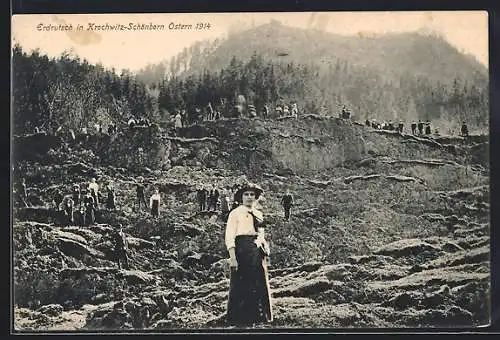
point(69, 92)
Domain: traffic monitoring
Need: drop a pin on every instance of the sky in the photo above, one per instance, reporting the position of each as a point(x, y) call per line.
point(134, 49)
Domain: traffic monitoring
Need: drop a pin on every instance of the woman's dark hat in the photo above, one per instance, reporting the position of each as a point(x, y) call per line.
point(238, 196)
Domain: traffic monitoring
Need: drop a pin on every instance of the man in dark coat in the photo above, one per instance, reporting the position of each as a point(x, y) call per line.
point(420, 127)
point(400, 126)
point(58, 197)
point(224, 206)
point(428, 128)
point(265, 111)
point(120, 248)
point(67, 208)
point(201, 197)
point(464, 130)
point(76, 195)
point(140, 195)
point(413, 127)
point(80, 209)
point(235, 203)
point(206, 194)
point(111, 200)
point(89, 209)
point(287, 202)
point(213, 199)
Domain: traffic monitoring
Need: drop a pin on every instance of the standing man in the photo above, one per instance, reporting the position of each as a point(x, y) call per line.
point(140, 195)
point(414, 127)
point(400, 126)
point(278, 111)
point(343, 113)
point(120, 247)
point(67, 208)
point(295, 110)
point(252, 112)
point(201, 197)
point(154, 203)
point(58, 197)
point(94, 190)
point(206, 202)
point(420, 127)
point(285, 111)
point(287, 202)
point(235, 204)
point(464, 130)
point(89, 209)
point(76, 195)
point(213, 198)
point(209, 199)
point(428, 127)
point(216, 195)
point(249, 300)
point(224, 205)
point(265, 111)
point(111, 200)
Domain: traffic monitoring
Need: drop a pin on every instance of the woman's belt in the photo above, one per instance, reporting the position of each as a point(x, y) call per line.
point(247, 236)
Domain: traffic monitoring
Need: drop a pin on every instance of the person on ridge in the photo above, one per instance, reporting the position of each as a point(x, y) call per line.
point(287, 202)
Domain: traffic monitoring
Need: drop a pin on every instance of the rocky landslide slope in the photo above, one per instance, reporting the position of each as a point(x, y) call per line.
point(388, 230)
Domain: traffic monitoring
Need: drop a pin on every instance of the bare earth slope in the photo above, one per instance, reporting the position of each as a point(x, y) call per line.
point(388, 230)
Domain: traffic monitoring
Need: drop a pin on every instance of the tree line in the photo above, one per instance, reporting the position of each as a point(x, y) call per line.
point(69, 92)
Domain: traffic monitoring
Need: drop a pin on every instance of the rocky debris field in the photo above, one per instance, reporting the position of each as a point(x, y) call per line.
point(387, 230)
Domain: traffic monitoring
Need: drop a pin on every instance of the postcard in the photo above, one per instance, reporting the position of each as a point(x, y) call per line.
point(225, 171)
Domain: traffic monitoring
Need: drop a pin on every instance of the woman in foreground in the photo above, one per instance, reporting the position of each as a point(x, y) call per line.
point(249, 295)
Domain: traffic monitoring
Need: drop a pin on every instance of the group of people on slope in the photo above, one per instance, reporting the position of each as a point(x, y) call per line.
point(79, 205)
point(154, 199)
point(249, 301)
point(417, 128)
point(180, 118)
point(225, 200)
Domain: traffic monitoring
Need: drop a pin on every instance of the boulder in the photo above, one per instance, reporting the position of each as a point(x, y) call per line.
point(406, 247)
point(76, 249)
point(134, 277)
point(304, 288)
point(51, 310)
point(139, 243)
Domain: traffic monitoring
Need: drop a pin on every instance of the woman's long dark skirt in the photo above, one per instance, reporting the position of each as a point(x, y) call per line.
point(155, 208)
point(249, 294)
point(110, 204)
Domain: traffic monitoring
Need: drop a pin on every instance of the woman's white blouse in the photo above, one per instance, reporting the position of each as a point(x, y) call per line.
point(154, 197)
point(240, 222)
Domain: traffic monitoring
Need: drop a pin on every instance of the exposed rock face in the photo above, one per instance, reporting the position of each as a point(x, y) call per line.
point(392, 232)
